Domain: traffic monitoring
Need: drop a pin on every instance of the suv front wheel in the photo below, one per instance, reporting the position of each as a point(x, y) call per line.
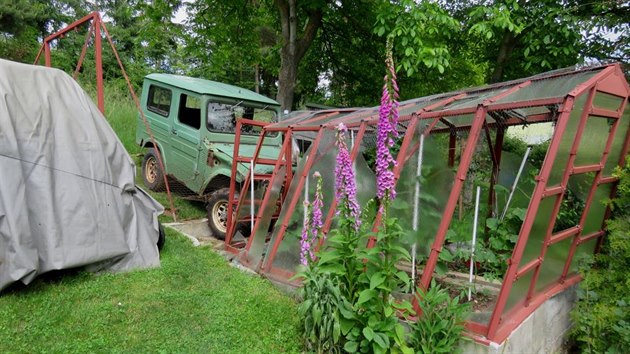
point(217, 208)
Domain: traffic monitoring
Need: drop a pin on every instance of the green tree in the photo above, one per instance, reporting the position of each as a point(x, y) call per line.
point(234, 42)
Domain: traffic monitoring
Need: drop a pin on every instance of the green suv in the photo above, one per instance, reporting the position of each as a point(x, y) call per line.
point(193, 122)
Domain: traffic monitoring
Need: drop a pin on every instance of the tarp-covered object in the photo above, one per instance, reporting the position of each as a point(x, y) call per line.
point(67, 192)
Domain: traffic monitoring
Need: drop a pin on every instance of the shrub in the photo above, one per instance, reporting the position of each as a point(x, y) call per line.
point(440, 328)
point(602, 313)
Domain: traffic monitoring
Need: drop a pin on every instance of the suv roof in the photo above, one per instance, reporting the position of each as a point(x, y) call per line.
point(208, 87)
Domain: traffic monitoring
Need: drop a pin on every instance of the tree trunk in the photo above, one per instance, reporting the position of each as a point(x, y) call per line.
point(293, 47)
point(507, 46)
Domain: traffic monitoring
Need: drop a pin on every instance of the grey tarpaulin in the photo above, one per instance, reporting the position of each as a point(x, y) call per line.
point(67, 191)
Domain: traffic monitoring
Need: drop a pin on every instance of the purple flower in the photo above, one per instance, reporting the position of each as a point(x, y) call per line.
point(312, 225)
point(345, 184)
point(387, 133)
point(305, 244)
point(316, 219)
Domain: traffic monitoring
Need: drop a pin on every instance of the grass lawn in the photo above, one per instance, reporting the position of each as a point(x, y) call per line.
point(194, 303)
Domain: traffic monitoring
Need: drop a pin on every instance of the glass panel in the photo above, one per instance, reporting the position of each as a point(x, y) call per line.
point(474, 99)
point(245, 211)
point(572, 205)
point(288, 255)
point(539, 230)
point(510, 164)
point(617, 145)
point(560, 163)
point(549, 88)
point(159, 100)
point(595, 216)
point(434, 189)
point(519, 291)
point(409, 107)
point(258, 243)
point(584, 250)
point(607, 101)
point(553, 264)
point(593, 141)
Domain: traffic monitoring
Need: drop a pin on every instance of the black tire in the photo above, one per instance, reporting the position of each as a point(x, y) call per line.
point(217, 208)
point(161, 237)
point(152, 174)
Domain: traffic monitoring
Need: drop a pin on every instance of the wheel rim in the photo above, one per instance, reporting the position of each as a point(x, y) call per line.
point(219, 215)
point(151, 170)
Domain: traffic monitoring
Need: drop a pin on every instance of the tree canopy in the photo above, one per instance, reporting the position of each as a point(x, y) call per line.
point(330, 52)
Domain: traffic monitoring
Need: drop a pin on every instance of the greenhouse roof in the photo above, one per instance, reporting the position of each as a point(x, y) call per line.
point(517, 102)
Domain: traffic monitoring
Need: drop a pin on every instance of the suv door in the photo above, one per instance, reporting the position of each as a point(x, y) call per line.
point(158, 113)
point(186, 140)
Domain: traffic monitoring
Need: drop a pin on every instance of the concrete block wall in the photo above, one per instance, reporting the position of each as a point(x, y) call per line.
point(544, 331)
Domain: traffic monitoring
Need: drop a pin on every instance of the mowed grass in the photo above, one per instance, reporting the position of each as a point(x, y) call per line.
point(121, 113)
point(194, 303)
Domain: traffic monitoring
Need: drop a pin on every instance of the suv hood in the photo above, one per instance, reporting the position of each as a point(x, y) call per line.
point(267, 152)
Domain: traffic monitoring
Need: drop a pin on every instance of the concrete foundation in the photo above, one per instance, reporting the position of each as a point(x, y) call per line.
point(544, 331)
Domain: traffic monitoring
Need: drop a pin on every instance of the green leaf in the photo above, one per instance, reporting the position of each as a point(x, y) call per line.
point(403, 276)
point(520, 213)
point(351, 347)
point(492, 223)
point(346, 313)
point(382, 340)
point(446, 255)
point(441, 268)
point(304, 306)
point(407, 350)
point(329, 256)
point(346, 326)
point(368, 333)
point(317, 314)
point(377, 349)
point(376, 280)
point(400, 332)
point(366, 295)
point(336, 331)
point(440, 68)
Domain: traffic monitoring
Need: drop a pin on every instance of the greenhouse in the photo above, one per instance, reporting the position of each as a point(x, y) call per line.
point(505, 183)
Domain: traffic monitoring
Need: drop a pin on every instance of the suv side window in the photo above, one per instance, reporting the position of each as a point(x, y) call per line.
point(190, 111)
point(159, 100)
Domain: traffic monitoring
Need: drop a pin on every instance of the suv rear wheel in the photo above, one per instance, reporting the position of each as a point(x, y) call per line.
point(152, 174)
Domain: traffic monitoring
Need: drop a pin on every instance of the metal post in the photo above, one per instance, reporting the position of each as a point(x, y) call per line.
point(518, 176)
point(98, 56)
point(416, 210)
point(251, 187)
point(305, 192)
point(472, 247)
point(351, 139)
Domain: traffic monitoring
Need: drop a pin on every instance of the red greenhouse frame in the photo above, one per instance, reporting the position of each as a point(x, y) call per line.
point(574, 101)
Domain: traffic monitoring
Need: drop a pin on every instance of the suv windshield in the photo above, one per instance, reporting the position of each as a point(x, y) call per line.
point(223, 117)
